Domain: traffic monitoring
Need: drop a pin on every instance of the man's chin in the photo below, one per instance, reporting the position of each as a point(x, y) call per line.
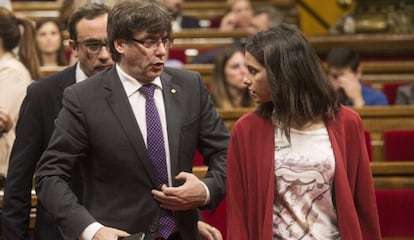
point(101, 68)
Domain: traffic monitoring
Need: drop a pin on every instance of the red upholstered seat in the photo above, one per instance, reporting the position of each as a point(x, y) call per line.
point(395, 212)
point(399, 145)
point(178, 54)
point(390, 91)
point(198, 159)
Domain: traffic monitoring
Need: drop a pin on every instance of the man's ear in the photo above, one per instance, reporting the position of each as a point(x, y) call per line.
point(119, 45)
point(74, 47)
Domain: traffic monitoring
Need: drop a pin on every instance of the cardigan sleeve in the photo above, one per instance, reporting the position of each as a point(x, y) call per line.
point(364, 195)
point(236, 203)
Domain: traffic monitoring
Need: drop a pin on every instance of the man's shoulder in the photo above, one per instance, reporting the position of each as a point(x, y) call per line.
point(406, 88)
point(180, 72)
point(93, 84)
point(57, 79)
point(373, 97)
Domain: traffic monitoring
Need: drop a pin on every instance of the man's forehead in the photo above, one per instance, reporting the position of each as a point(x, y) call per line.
point(145, 34)
point(97, 31)
point(340, 69)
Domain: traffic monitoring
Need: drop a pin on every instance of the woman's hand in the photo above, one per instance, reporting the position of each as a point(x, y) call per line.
point(208, 232)
point(6, 121)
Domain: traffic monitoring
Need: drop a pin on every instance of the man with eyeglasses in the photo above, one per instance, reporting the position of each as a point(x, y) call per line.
point(88, 38)
point(112, 123)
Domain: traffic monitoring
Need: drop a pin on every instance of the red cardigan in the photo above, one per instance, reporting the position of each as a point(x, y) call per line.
point(251, 179)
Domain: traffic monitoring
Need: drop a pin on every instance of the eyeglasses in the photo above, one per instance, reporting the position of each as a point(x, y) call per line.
point(93, 47)
point(153, 44)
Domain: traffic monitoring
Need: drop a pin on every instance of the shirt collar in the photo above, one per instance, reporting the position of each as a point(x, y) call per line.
point(131, 85)
point(79, 73)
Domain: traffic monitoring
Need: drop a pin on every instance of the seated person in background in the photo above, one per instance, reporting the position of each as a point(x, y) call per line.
point(238, 17)
point(49, 42)
point(405, 94)
point(179, 21)
point(227, 87)
point(263, 18)
point(345, 75)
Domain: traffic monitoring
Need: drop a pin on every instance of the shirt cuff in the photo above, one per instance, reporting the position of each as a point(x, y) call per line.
point(90, 231)
point(208, 194)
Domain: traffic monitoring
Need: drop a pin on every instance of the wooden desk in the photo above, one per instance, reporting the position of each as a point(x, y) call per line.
point(375, 119)
point(376, 73)
point(367, 44)
point(387, 175)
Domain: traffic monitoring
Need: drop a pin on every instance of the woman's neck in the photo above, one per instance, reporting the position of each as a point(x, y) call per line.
point(318, 123)
point(50, 59)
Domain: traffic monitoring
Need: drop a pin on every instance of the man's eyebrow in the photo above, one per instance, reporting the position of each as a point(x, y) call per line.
point(93, 40)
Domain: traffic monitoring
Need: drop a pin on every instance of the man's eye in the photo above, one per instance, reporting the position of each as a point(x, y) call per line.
point(151, 42)
point(93, 44)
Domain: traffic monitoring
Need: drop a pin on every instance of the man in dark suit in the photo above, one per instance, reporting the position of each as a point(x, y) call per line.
point(103, 127)
point(40, 108)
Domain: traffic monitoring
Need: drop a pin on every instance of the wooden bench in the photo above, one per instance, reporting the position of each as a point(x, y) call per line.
point(376, 73)
point(214, 9)
point(387, 175)
point(375, 119)
point(204, 10)
point(36, 9)
point(368, 45)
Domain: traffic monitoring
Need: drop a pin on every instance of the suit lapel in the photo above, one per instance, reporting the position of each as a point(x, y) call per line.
point(171, 93)
point(119, 103)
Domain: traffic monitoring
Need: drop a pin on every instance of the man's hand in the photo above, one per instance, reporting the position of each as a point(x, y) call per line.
point(107, 233)
point(208, 232)
point(228, 22)
point(190, 195)
point(352, 88)
point(6, 121)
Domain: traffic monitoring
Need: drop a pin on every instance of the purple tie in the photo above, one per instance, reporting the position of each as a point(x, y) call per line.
point(156, 153)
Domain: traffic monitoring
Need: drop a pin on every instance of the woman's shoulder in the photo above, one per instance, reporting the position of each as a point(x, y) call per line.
point(346, 117)
point(347, 113)
point(251, 120)
point(9, 66)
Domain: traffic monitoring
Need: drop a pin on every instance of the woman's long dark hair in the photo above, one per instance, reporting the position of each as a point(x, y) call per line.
point(299, 88)
point(12, 37)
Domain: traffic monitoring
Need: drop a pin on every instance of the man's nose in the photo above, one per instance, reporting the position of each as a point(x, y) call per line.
point(104, 53)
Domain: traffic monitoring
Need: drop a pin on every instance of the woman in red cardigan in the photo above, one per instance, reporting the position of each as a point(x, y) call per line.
point(298, 166)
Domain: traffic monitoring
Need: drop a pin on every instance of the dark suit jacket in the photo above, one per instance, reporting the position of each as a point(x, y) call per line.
point(97, 128)
point(34, 128)
point(190, 22)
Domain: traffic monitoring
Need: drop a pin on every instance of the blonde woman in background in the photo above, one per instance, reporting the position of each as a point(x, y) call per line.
point(227, 87)
point(14, 77)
